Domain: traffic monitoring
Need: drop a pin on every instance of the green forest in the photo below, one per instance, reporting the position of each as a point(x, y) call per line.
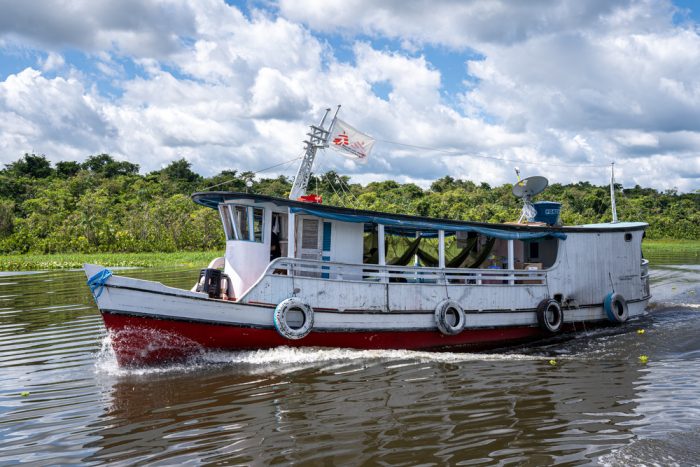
point(106, 205)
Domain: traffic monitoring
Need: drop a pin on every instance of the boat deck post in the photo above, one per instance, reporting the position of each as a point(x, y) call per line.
point(381, 250)
point(441, 249)
point(511, 261)
point(291, 234)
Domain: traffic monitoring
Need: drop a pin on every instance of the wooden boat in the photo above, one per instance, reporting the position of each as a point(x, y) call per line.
point(300, 273)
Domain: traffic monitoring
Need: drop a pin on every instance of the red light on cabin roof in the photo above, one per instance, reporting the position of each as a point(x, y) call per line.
point(311, 198)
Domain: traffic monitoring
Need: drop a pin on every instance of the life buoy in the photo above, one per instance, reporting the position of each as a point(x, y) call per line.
point(616, 308)
point(549, 315)
point(449, 317)
point(293, 318)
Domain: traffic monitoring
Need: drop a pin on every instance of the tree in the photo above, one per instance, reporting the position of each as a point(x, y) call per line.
point(7, 217)
point(105, 164)
point(443, 184)
point(66, 169)
point(180, 170)
point(105, 205)
point(32, 166)
point(226, 180)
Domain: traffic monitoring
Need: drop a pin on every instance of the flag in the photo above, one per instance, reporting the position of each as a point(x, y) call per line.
point(350, 142)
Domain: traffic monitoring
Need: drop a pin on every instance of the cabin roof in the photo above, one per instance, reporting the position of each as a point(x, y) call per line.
point(404, 222)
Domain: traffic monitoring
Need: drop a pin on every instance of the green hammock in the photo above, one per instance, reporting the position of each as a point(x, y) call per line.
point(371, 255)
point(463, 259)
point(407, 255)
point(483, 254)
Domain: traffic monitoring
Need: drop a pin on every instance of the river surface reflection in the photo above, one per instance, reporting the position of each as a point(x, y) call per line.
point(598, 404)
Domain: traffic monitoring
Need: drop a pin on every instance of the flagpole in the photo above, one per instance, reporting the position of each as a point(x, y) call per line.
point(318, 138)
point(330, 128)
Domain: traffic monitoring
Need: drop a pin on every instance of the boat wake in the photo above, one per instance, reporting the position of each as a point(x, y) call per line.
point(289, 359)
point(667, 449)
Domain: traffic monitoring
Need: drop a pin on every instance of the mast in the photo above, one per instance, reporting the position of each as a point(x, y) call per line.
point(318, 138)
point(612, 193)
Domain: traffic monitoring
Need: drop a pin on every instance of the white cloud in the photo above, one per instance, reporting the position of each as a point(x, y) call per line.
point(556, 83)
point(42, 114)
point(276, 96)
point(131, 27)
point(460, 24)
point(633, 138)
point(52, 62)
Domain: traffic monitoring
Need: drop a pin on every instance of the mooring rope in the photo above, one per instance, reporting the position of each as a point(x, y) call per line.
point(97, 282)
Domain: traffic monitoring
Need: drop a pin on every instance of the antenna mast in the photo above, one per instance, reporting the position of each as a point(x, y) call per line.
point(612, 193)
point(318, 138)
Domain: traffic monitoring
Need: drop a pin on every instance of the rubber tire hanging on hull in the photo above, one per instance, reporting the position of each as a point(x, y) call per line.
point(616, 308)
point(441, 313)
point(281, 315)
point(550, 316)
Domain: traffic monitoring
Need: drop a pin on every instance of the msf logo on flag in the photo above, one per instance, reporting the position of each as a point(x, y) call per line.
point(350, 142)
point(342, 140)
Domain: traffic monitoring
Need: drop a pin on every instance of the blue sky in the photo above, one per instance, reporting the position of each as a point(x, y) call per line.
point(559, 88)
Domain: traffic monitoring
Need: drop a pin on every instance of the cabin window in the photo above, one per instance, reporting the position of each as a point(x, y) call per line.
point(242, 222)
point(226, 220)
point(257, 225)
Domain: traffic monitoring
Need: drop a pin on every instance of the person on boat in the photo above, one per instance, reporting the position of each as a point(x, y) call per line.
point(275, 249)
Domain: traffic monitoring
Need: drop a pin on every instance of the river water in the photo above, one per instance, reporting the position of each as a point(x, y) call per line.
point(63, 400)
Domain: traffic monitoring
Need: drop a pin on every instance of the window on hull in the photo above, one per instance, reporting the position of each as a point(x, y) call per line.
point(244, 223)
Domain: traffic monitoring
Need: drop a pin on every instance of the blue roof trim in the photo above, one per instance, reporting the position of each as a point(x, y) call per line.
point(418, 225)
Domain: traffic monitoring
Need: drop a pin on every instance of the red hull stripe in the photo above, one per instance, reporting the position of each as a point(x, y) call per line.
point(271, 326)
point(145, 341)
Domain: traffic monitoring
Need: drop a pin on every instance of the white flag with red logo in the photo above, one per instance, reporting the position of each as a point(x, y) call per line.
point(350, 142)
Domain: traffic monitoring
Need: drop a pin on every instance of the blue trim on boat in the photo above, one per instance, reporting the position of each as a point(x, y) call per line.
point(418, 225)
point(327, 236)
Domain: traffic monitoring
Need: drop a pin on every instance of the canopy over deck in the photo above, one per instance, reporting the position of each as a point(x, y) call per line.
point(422, 224)
point(405, 224)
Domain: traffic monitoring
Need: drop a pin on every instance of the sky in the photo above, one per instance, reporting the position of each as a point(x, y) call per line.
point(470, 89)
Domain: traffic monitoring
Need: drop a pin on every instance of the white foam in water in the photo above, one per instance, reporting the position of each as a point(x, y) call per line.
point(286, 359)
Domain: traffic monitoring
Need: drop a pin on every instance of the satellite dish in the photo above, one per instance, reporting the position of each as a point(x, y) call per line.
point(525, 189)
point(530, 186)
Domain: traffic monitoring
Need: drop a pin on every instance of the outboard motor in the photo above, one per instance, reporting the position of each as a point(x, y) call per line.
point(210, 282)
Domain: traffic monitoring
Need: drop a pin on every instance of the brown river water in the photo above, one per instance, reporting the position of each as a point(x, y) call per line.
point(598, 405)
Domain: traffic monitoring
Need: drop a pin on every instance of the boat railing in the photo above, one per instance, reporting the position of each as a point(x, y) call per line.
point(297, 267)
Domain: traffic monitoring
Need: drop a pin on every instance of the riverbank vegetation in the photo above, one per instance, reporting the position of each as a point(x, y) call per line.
point(103, 205)
point(40, 262)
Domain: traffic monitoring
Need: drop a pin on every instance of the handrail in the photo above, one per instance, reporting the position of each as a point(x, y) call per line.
point(298, 267)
